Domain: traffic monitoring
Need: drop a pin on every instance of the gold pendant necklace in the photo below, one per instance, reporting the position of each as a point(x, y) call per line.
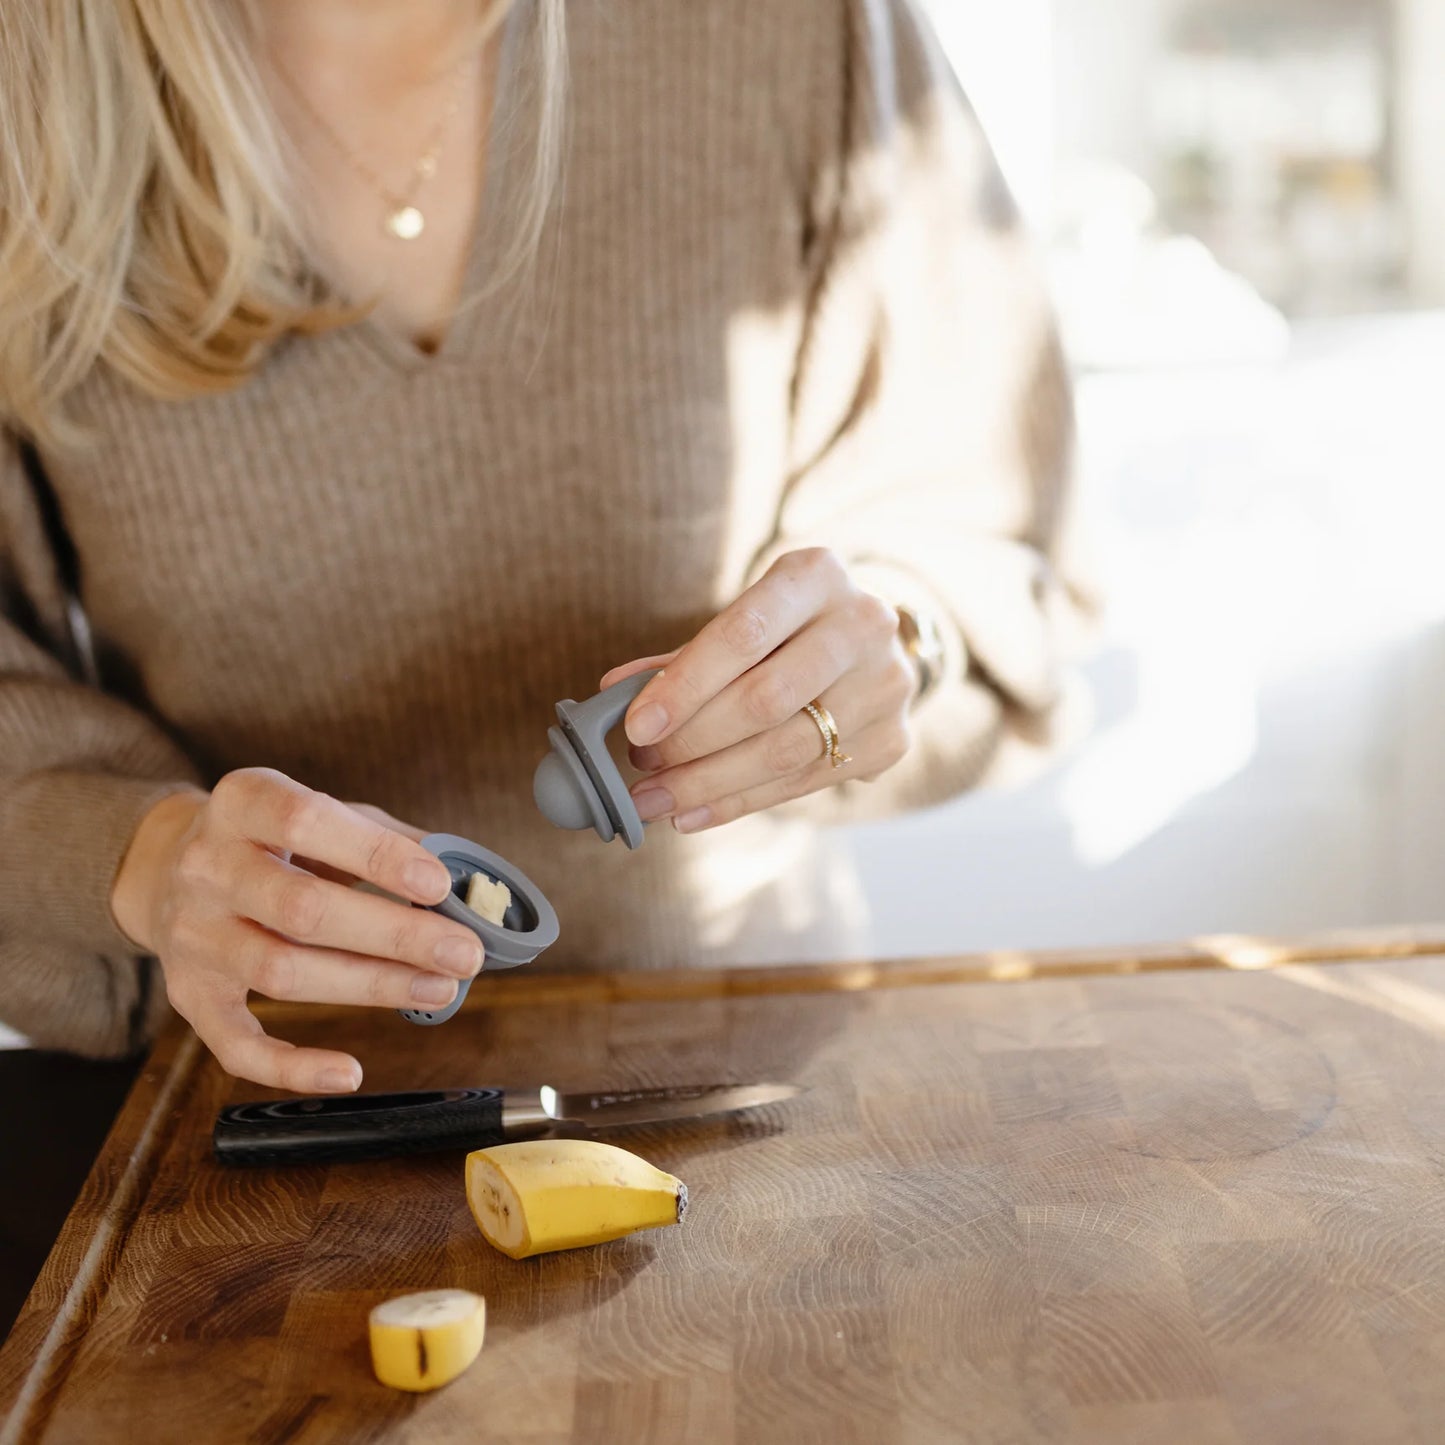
point(403, 218)
point(406, 223)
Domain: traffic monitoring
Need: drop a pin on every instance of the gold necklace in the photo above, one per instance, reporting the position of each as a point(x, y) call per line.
point(403, 219)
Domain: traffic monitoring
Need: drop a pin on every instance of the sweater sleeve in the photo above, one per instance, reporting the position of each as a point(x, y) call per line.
point(78, 769)
point(932, 415)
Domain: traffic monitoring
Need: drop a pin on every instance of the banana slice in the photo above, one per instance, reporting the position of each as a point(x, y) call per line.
point(422, 1341)
point(544, 1194)
point(488, 897)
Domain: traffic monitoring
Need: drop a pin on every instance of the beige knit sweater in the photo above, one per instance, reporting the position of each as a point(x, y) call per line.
point(784, 300)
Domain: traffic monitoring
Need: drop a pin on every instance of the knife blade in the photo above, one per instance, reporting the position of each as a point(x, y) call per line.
point(341, 1127)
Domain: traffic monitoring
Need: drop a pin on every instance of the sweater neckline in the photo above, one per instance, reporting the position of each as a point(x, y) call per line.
point(506, 135)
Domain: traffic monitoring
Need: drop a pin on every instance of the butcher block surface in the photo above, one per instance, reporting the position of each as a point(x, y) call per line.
point(1189, 1195)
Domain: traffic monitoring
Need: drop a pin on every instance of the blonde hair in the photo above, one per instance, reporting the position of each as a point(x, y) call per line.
point(144, 212)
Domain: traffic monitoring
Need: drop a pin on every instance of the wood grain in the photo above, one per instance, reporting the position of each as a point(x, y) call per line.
point(1196, 1205)
point(1243, 952)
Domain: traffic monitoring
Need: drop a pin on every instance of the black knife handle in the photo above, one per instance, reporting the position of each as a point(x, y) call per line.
point(358, 1126)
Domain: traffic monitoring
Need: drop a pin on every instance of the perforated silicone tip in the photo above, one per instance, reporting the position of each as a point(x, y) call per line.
point(558, 794)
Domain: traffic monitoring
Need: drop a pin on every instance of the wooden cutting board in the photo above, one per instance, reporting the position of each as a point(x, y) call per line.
point(1197, 1205)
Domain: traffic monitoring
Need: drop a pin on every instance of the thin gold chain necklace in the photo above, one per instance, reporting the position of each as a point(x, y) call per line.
point(403, 218)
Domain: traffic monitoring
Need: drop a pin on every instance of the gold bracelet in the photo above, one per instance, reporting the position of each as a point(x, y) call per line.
point(923, 643)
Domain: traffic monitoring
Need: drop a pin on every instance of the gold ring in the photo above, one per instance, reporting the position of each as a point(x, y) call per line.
point(832, 745)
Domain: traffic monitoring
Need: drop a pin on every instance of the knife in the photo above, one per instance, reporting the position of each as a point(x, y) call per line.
point(342, 1127)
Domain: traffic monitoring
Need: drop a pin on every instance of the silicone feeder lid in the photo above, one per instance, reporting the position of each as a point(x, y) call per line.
point(577, 785)
point(529, 926)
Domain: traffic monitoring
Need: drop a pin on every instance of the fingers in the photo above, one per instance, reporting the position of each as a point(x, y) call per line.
point(631, 669)
point(794, 590)
point(243, 1048)
point(255, 960)
point(236, 915)
point(377, 815)
point(309, 910)
point(380, 815)
point(780, 752)
point(876, 749)
point(766, 696)
point(276, 812)
point(293, 973)
point(859, 702)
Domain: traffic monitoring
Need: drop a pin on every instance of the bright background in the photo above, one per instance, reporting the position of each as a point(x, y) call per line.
point(1242, 203)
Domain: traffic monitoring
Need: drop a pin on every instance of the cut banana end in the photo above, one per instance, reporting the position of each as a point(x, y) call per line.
point(544, 1194)
point(422, 1341)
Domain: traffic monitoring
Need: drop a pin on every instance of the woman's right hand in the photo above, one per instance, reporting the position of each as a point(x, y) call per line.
point(247, 888)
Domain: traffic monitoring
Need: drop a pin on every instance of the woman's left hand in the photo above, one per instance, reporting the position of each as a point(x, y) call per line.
point(723, 730)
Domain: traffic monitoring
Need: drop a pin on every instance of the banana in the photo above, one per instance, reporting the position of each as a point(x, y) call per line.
point(421, 1341)
point(488, 897)
point(544, 1194)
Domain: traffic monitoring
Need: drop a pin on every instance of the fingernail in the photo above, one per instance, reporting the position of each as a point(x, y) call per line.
point(645, 760)
point(646, 724)
point(337, 1081)
point(653, 803)
point(427, 880)
point(428, 988)
point(459, 955)
point(692, 820)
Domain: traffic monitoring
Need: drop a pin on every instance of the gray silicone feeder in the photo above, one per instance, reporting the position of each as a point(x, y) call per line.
point(577, 785)
point(528, 926)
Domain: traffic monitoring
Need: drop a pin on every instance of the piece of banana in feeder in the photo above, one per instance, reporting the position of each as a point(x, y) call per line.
point(487, 897)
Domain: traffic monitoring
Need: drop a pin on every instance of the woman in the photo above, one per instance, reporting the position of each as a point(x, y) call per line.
point(375, 374)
